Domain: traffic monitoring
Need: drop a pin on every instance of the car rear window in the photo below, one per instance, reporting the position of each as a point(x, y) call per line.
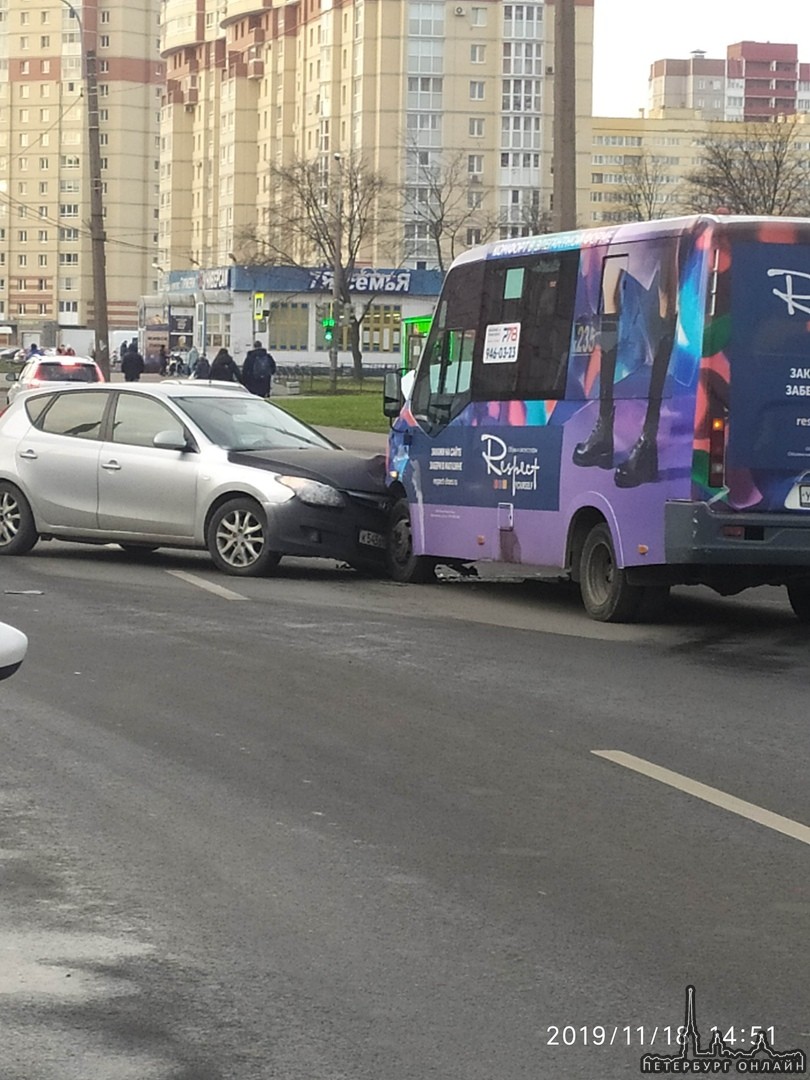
point(47, 372)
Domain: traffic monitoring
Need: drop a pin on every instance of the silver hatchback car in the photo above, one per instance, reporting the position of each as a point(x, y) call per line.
point(185, 466)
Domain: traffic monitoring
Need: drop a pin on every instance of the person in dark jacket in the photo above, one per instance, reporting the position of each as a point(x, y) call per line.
point(258, 370)
point(132, 364)
point(224, 368)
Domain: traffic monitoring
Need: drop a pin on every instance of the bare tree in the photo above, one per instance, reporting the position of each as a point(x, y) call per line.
point(644, 184)
point(441, 196)
point(756, 170)
point(326, 211)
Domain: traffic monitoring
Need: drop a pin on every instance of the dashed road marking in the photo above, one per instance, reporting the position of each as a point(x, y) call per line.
point(712, 795)
point(201, 583)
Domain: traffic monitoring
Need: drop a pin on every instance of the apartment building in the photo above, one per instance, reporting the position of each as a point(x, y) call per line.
point(755, 81)
point(650, 158)
point(46, 273)
point(413, 86)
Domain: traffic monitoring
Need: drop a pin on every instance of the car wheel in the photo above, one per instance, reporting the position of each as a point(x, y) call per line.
point(799, 597)
point(606, 593)
point(135, 551)
point(400, 560)
point(18, 533)
point(237, 539)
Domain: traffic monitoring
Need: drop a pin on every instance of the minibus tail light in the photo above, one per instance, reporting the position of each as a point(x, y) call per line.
point(717, 452)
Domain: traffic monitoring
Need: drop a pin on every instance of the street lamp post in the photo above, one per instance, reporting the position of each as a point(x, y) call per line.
point(97, 236)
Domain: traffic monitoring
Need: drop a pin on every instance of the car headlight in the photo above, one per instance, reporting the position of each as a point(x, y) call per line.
point(311, 492)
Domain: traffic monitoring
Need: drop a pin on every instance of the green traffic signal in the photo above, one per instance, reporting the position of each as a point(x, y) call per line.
point(328, 329)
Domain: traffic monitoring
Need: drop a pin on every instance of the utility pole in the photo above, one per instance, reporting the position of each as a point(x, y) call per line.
point(337, 271)
point(97, 234)
point(564, 214)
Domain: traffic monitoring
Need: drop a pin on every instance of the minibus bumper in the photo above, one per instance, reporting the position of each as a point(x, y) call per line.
point(697, 533)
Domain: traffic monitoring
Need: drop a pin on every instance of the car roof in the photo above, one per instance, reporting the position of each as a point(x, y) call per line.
point(159, 390)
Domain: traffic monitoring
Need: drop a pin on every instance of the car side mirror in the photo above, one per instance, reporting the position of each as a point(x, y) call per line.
point(12, 376)
point(171, 439)
point(393, 399)
point(13, 647)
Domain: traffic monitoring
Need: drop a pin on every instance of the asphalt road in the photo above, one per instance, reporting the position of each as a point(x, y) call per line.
point(317, 827)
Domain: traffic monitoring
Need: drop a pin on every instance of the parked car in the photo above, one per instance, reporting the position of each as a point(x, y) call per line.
point(52, 368)
point(185, 465)
point(13, 647)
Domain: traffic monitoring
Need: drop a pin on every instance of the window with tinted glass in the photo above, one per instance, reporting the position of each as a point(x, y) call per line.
point(77, 415)
point(137, 420)
point(536, 295)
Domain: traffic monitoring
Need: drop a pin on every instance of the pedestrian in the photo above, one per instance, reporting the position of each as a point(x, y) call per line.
point(258, 370)
point(192, 356)
point(132, 364)
point(202, 369)
point(224, 368)
point(163, 360)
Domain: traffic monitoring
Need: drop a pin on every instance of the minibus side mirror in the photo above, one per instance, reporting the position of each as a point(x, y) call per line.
point(393, 399)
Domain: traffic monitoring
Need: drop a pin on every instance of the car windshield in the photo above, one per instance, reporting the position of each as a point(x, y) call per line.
point(245, 422)
point(57, 372)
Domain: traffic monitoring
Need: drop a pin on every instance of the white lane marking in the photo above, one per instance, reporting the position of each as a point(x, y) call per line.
point(218, 590)
point(709, 794)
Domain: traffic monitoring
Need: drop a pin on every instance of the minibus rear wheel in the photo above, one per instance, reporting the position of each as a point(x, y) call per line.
point(606, 593)
point(400, 560)
point(799, 596)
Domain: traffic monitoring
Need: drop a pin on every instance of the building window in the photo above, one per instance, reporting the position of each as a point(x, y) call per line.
point(478, 16)
point(475, 164)
point(104, 41)
point(68, 306)
point(69, 210)
point(477, 54)
point(476, 128)
point(289, 326)
point(104, 16)
point(426, 19)
point(69, 258)
point(476, 90)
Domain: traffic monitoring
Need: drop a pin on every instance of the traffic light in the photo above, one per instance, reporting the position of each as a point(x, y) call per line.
point(328, 324)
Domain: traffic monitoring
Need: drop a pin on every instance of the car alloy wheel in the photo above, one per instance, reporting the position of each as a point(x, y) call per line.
point(237, 539)
point(18, 533)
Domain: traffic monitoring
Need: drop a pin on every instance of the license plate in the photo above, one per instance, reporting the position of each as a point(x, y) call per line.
point(374, 539)
point(804, 496)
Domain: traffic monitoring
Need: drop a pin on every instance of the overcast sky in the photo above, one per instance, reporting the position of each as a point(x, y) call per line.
point(630, 34)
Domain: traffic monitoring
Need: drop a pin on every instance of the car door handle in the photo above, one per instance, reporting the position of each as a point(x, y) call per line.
point(111, 466)
point(29, 455)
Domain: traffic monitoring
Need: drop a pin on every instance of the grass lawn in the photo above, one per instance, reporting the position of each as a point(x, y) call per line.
point(357, 406)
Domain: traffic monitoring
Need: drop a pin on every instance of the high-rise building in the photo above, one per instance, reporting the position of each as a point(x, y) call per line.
point(415, 86)
point(756, 81)
point(46, 271)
